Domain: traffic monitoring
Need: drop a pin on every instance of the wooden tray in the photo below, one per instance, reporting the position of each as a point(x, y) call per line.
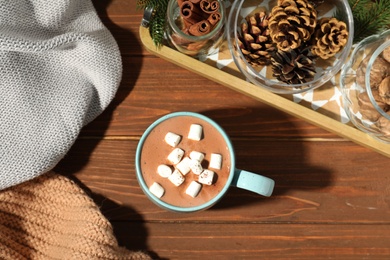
point(280, 102)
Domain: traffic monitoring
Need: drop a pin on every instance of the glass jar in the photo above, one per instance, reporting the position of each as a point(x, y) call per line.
point(365, 83)
point(193, 30)
point(262, 76)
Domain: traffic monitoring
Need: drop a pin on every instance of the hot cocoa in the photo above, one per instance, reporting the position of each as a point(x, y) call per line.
point(156, 150)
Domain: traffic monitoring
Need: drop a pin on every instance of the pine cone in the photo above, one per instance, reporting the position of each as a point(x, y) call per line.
point(294, 66)
point(330, 37)
point(291, 23)
point(254, 41)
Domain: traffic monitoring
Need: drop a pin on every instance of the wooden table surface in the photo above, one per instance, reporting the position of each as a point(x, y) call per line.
point(331, 199)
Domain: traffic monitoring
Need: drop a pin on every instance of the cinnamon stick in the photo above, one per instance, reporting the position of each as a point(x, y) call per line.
point(209, 7)
point(191, 13)
point(199, 16)
point(200, 28)
point(214, 18)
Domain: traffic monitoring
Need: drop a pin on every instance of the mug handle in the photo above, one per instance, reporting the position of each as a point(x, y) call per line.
point(253, 182)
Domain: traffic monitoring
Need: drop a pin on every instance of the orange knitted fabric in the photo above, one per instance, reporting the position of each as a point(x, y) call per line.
point(50, 217)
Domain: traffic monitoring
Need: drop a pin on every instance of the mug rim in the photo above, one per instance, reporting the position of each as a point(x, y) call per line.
point(164, 204)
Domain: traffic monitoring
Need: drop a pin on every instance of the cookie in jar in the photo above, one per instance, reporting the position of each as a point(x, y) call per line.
point(365, 83)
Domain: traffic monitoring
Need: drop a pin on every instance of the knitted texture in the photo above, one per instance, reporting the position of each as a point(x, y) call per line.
point(50, 217)
point(59, 69)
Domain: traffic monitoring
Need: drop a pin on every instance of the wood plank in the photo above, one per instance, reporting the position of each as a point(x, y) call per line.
point(265, 96)
point(123, 18)
point(144, 95)
point(322, 182)
point(116, 8)
point(256, 241)
point(331, 198)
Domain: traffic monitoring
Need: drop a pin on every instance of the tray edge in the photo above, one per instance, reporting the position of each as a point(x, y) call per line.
point(263, 95)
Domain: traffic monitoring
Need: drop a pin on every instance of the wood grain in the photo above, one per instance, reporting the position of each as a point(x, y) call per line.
point(332, 196)
point(136, 104)
point(254, 241)
point(271, 99)
point(308, 188)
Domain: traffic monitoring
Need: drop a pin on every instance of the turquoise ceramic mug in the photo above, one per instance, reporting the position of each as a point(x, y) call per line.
point(153, 151)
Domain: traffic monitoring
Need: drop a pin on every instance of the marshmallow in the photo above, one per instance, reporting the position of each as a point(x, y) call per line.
point(206, 177)
point(164, 170)
point(194, 155)
point(215, 161)
point(157, 190)
point(172, 139)
point(196, 167)
point(195, 132)
point(176, 178)
point(184, 165)
point(193, 189)
point(176, 155)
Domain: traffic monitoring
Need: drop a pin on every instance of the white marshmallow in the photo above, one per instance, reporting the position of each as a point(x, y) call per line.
point(157, 190)
point(184, 165)
point(196, 167)
point(195, 132)
point(206, 177)
point(193, 189)
point(164, 170)
point(194, 155)
point(172, 139)
point(215, 161)
point(176, 178)
point(176, 155)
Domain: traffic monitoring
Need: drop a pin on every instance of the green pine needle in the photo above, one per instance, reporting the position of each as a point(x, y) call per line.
point(157, 29)
point(370, 17)
point(157, 21)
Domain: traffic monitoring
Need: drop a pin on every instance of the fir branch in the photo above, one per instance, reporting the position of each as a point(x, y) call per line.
point(157, 21)
point(358, 6)
point(370, 17)
point(156, 28)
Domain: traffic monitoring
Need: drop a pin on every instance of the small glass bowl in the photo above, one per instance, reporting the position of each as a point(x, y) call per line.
point(262, 75)
point(364, 99)
point(193, 45)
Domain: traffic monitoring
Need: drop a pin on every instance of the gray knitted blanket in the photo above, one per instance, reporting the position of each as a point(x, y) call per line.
point(59, 69)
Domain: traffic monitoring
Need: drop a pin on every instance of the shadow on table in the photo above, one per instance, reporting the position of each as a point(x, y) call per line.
point(267, 142)
point(131, 71)
point(130, 49)
point(131, 235)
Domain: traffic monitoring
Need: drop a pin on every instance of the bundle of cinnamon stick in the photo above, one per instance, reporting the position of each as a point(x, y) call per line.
point(199, 16)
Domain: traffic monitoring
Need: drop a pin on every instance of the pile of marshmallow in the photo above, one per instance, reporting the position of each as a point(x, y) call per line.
point(181, 166)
